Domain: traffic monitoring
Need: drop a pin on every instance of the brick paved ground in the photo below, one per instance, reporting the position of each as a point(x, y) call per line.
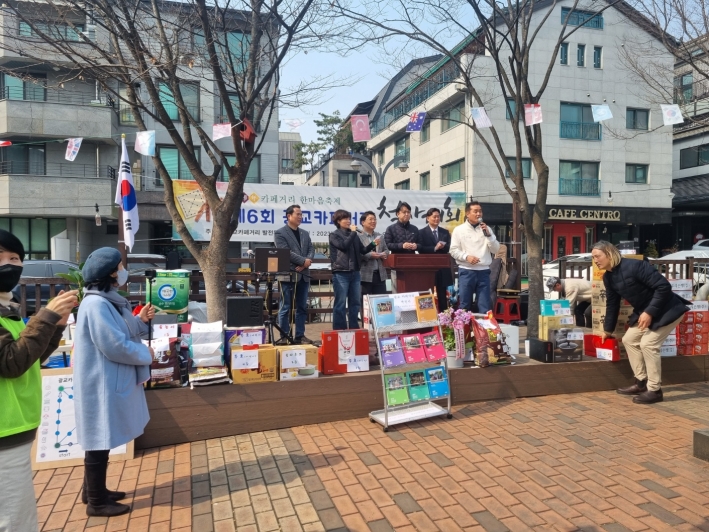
point(575, 462)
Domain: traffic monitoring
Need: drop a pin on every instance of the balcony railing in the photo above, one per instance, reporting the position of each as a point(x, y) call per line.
point(57, 169)
point(580, 130)
point(406, 153)
point(40, 94)
point(579, 187)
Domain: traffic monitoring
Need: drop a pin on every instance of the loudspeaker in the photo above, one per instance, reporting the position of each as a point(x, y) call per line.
point(244, 311)
point(174, 262)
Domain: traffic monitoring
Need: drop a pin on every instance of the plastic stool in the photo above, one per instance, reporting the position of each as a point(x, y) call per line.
point(507, 310)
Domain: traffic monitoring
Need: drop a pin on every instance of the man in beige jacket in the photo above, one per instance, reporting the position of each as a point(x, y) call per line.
point(578, 293)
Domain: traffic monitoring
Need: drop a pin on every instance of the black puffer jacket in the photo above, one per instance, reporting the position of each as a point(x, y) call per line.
point(646, 290)
point(398, 233)
point(345, 250)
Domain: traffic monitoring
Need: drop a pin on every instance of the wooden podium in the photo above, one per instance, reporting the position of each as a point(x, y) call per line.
point(416, 273)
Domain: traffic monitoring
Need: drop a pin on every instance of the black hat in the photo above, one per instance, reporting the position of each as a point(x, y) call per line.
point(11, 243)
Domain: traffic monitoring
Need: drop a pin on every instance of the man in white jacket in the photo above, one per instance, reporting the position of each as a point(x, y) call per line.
point(473, 245)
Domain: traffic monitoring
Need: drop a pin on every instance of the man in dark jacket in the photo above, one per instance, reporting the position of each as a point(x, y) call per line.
point(435, 239)
point(402, 236)
point(656, 313)
point(346, 250)
point(21, 349)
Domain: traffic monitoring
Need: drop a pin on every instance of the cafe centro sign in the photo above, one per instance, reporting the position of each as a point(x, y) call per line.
point(586, 215)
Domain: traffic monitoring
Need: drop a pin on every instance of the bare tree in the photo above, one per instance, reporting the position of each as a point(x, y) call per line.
point(149, 54)
point(508, 34)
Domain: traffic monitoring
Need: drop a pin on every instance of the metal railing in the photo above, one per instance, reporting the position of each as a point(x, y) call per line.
point(405, 153)
point(579, 187)
point(57, 169)
point(580, 130)
point(41, 94)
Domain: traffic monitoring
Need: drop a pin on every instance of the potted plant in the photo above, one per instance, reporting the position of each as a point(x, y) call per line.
point(453, 324)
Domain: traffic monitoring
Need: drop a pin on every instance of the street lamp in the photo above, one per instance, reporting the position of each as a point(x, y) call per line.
point(357, 161)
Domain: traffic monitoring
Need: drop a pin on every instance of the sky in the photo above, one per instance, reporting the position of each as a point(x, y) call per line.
point(366, 81)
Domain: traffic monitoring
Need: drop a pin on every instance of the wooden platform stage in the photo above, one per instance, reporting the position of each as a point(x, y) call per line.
point(183, 415)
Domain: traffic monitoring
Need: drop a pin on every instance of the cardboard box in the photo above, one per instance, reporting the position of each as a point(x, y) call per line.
point(696, 317)
point(701, 338)
point(668, 351)
point(553, 322)
point(701, 349)
point(685, 328)
point(608, 350)
point(685, 294)
point(567, 344)
point(555, 307)
point(267, 367)
point(671, 340)
point(597, 273)
point(309, 371)
point(512, 333)
point(329, 361)
point(680, 284)
point(700, 306)
point(232, 334)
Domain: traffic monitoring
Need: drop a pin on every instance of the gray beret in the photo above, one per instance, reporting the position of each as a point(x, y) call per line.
point(100, 264)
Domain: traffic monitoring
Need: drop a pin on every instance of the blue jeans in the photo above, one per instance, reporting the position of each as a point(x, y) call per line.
point(474, 282)
point(301, 306)
point(347, 295)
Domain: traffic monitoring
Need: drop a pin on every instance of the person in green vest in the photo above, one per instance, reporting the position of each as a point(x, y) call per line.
point(21, 350)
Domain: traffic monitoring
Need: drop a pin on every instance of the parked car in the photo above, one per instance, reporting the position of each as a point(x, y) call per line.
point(321, 265)
point(41, 268)
point(157, 262)
point(701, 245)
point(701, 269)
point(551, 269)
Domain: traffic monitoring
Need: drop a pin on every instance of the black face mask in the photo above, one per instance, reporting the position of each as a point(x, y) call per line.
point(9, 276)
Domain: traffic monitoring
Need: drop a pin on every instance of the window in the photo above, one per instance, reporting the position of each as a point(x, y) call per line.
point(347, 179)
point(174, 164)
point(577, 122)
point(16, 89)
point(564, 53)
point(693, 157)
point(380, 157)
point(190, 95)
point(684, 86)
point(287, 164)
point(579, 178)
point(62, 32)
point(452, 172)
point(510, 109)
point(636, 173)
point(636, 118)
point(235, 105)
point(403, 185)
point(597, 56)
point(424, 181)
point(35, 235)
point(401, 147)
point(581, 55)
point(19, 159)
point(426, 132)
point(253, 175)
point(125, 112)
point(452, 117)
point(526, 167)
point(366, 180)
point(582, 18)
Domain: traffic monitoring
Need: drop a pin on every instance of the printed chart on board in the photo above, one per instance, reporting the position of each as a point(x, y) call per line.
point(57, 431)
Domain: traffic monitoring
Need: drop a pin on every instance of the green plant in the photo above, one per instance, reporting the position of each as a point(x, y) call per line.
point(651, 250)
point(76, 280)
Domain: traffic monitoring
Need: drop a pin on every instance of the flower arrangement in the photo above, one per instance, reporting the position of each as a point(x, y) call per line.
point(453, 323)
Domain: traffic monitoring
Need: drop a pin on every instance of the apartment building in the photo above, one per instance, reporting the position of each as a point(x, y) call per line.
point(607, 180)
point(690, 168)
point(46, 200)
point(288, 174)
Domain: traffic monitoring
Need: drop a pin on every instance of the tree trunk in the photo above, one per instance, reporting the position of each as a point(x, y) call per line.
point(536, 280)
point(213, 265)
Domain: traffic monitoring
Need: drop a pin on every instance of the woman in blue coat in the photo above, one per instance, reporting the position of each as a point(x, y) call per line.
point(110, 366)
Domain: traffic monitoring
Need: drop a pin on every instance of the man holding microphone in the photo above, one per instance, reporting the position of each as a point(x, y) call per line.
point(473, 245)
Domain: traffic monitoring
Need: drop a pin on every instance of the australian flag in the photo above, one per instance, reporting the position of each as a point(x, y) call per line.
point(416, 122)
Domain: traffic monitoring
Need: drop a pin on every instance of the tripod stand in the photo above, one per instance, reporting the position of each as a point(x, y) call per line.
point(272, 321)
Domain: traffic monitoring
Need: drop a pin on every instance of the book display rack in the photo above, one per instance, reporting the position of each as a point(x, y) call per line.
point(412, 359)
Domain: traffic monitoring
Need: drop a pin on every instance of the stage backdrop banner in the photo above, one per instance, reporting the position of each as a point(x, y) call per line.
point(264, 208)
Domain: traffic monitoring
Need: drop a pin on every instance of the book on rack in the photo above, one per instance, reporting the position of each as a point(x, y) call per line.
point(392, 354)
point(384, 311)
point(413, 348)
point(433, 345)
point(437, 382)
point(418, 387)
point(426, 308)
point(396, 389)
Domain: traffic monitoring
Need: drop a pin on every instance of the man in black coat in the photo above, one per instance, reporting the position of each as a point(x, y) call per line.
point(436, 239)
point(656, 313)
point(402, 236)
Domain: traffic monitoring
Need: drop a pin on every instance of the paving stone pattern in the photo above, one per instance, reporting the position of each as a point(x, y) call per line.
point(592, 462)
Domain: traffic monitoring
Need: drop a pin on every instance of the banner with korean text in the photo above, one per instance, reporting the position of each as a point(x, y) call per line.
point(263, 210)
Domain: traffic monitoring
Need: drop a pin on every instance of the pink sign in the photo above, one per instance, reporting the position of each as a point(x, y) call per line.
point(532, 114)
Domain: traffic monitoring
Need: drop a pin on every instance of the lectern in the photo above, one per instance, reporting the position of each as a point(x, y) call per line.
point(416, 273)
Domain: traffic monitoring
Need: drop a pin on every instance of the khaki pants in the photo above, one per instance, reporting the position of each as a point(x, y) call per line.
point(644, 352)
